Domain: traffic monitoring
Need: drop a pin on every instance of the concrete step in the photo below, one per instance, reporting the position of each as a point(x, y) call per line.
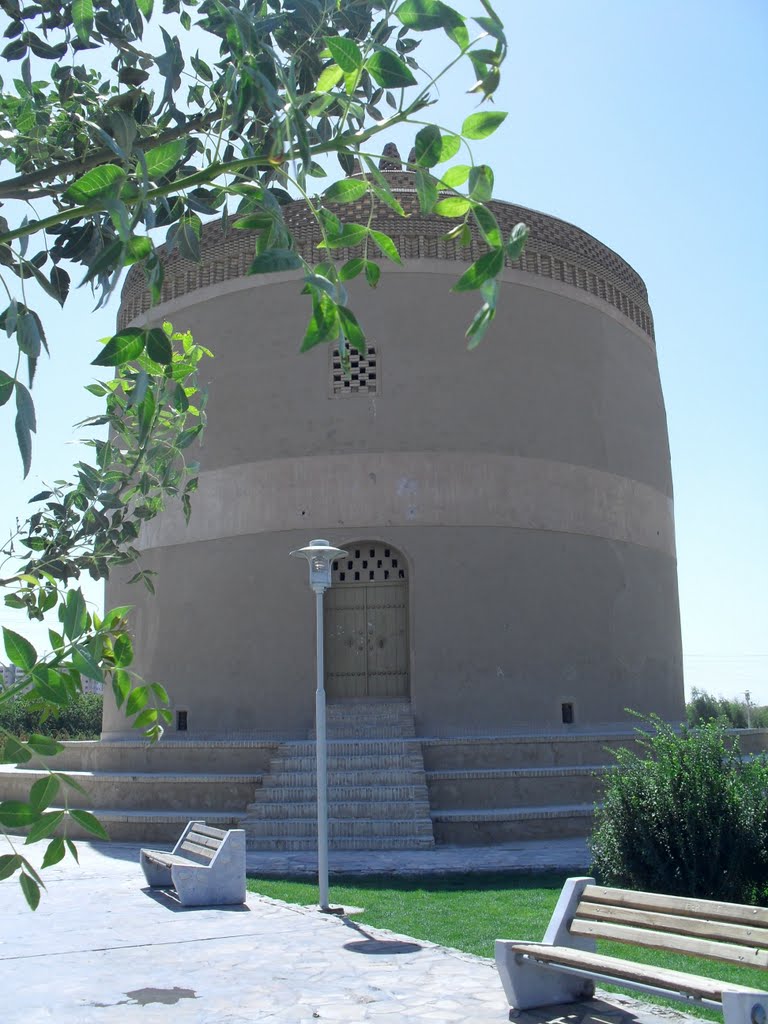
point(168, 755)
point(336, 794)
point(274, 843)
point(478, 827)
point(545, 751)
point(137, 791)
point(340, 809)
point(125, 824)
point(377, 790)
point(348, 762)
point(356, 828)
point(337, 778)
point(360, 720)
point(375, 747)
point(489, 789)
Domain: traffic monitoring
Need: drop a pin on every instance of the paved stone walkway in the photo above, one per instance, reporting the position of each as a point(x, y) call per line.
point(103, 948)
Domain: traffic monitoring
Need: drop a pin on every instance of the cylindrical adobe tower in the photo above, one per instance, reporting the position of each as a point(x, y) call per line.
point(507, 512)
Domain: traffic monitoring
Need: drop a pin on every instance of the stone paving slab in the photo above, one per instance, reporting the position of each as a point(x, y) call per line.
point(103, 948)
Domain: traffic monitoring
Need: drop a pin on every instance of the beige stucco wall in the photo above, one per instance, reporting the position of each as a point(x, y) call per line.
point(528, 484)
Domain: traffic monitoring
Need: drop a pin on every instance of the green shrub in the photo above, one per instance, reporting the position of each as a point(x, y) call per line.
point(79, 720)
point(687, 816)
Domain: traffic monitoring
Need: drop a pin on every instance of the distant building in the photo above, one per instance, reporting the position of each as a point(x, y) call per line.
point(11, 675)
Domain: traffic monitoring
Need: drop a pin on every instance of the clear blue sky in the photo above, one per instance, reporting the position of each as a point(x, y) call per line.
point(644, 124)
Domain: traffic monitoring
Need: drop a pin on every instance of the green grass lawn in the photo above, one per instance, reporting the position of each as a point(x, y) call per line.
point(469, 912)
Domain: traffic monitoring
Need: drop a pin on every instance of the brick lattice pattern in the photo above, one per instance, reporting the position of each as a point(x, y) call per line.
point(363, 376)
point(370, 563)
point(555, 249)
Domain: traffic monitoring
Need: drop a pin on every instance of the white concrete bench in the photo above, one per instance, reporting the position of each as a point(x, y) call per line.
point(206, 866)
point(564, 967)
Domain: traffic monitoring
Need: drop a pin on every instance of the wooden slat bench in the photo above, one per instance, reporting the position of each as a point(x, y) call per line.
point(564, 967)
point(206, 866)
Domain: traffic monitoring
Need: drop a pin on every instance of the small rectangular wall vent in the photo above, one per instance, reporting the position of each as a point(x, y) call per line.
point(181, 721)
point(567, 713)
point(363, 377)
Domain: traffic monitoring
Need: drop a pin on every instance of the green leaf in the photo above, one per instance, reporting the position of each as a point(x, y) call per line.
point(481, 183)
point(351, 268)
point(345, 52)
point(82, 18)
point(54, 852)
point(387, 246)
point(163, 159)
point(43, 791)
point(69, 781)
point(9, 862)
point(324, 324)
point(372, 273)
point(424, 15)
point(31, 891)
point(114, 615)
point(453, 206)
point(429, 145)
point(48, 823)
point(25, 407)
point(28, 336)
point(73, 615)
point(85, 664)
point(345, 191)
point(456, 176)
point(13, 752)
point(96, 183)
point(482, 124)
point(44, 745)
point(160, 692)
point(389, 71)
point(353, 332)
point(137, 700)
point(488, 225)
point(123, 651)
point(349, 236)
point(159, 346)
point(15, 814)
point(184, 440)
point(19, 650)
point(272, 260)
point(73, 850)
point(139, 247)
point(426, 190)
point(88, 822)
point(147, 717)
point(24, 441)
point(329, 77)
point(489, 265)
point(517, 240)
point(6, 387)
point(121, 686)
point(122, 348)
point(449, 147)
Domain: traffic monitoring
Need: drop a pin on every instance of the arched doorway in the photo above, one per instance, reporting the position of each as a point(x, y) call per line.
point(366, 624)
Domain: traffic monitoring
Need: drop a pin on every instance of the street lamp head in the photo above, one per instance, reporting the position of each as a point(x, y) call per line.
point(319, 554)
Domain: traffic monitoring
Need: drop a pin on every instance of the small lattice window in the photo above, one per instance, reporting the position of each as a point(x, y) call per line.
point(363, 376)
point(370, 563)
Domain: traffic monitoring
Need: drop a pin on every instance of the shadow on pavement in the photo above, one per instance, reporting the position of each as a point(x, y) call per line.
point(167, 898)
point(593, 1011)
point(378, 947)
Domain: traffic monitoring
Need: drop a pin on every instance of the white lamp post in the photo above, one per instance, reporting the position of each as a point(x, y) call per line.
point(320, 554)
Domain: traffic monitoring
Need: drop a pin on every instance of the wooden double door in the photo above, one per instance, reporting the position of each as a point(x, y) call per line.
point(366, 640)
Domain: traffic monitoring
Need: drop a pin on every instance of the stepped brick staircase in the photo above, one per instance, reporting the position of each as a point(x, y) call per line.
point(377, 792)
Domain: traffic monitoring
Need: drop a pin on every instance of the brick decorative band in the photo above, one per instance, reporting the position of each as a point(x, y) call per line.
point(555, 249)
